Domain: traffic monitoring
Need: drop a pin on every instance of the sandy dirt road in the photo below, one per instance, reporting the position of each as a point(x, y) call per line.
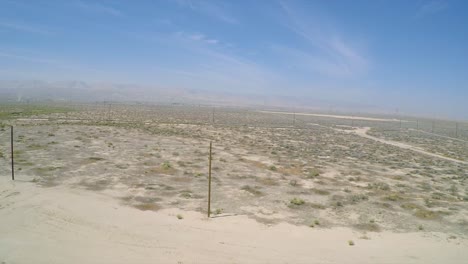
point(337, 116)
point(62, 225)
point(363, 133)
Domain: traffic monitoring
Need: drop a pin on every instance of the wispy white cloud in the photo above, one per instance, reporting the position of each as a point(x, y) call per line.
point(214, 9)
point(97, 7)
point(430, 8)
point(202, 38)
point(25, 28)
point(26, 58)
point(210, 66)
point(40, 60)
point(328, 52)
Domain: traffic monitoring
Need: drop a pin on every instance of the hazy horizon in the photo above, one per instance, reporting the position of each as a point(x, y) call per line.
point(410, 56)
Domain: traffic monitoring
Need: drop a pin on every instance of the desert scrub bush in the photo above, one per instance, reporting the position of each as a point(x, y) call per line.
point(379, 186)
point(93, 159)
point(218, 211)
point(313, 173)
point(297, 201)
point(356, 198)
point(350, 242)
point(354, 178)
point(186, 194)
point(147, 207)
point(253, 190)
point(166, 165)
point(394, 197)
point(437, 196)
point(453, 190)
point(320, 191)
point(410, 206)
point(371, 227)
point(267, 181)
point(427, 214)
point(272, 168)
point(316, 206)
point(180, 217)
point(164, 168)
point(293, 183)
point(314, 223)
point(36, 147)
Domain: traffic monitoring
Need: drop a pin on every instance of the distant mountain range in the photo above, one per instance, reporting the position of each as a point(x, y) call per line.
point(79, 91)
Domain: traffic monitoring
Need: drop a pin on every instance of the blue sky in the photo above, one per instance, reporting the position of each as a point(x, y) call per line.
point(410, 55)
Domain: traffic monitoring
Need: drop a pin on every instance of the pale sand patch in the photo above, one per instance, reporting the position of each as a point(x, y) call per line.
point(338, 116)
point(32, 119)
point(62, 225)
point(363, 133)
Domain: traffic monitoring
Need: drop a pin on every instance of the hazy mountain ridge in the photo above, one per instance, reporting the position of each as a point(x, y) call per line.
point(38, 90)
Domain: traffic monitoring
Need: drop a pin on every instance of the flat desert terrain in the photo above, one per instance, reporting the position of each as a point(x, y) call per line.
point(123, 183)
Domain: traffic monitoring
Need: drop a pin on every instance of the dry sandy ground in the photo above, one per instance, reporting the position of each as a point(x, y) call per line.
point(62, 225)
point(363, 133)
point(437, 135)
point(337, 116)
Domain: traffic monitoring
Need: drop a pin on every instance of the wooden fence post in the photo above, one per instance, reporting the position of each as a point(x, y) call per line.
point(209, 182)
point(12, 156)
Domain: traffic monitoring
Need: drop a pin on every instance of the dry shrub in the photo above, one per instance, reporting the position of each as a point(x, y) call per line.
point(147, 207)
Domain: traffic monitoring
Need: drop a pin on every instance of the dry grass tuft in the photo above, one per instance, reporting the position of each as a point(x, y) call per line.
point(147, 207)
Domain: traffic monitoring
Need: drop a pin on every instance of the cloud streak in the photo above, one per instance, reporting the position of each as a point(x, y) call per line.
point(431, 8)
point(24, 28)
point(203, 38)
point(99, 8)
point(328, 53)
point(212, 9)
point(209, 64)
point(56, 64)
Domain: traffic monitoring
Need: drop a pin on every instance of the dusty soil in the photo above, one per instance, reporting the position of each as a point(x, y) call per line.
point(65, 225)
point(314, 173)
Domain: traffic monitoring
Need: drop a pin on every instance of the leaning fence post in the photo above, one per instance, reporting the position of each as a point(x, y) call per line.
point(12, 156)
point(209, 182)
